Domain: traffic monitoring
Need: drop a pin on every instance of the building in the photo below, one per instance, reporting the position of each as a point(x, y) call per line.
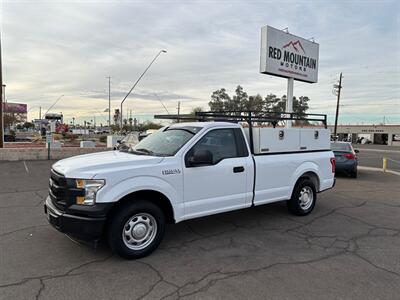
point(377, 134)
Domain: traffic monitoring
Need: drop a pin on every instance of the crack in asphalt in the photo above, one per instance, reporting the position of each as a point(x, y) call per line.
point(307, 237)
point(337, 244)
point(228, 275)
point(160, 279)
point(22, 229)
point(42, 286)
point(42, 278)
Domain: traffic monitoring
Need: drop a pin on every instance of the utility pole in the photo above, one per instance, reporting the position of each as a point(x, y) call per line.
point(1, 103)
point(109, 102)
point(337, 89)
point(179, 110)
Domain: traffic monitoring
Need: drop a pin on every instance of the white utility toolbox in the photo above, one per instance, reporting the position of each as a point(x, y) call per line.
point(273, 140)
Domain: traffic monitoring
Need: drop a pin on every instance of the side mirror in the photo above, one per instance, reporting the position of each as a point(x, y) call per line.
point(201, 158)
point(356, 151)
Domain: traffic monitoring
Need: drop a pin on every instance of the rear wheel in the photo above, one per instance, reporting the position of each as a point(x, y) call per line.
point(136, 229)
point(303, 198)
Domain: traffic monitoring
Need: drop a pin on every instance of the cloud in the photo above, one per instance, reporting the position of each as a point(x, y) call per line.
point(52, 48)
point(146, 95)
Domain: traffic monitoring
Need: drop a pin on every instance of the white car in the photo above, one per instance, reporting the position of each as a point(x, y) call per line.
point(185, 171)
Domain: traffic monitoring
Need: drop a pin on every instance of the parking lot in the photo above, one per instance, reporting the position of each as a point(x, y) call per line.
point(348, 248)
point(372, 156)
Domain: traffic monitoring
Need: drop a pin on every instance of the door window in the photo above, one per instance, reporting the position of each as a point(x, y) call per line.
point(220, 142)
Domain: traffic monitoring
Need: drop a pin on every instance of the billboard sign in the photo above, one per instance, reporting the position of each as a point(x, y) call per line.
point(16, 108)
point(287, 55)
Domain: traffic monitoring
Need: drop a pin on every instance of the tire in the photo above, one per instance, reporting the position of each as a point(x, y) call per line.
point(301, 204)
point(136, 229)
point(353, 174)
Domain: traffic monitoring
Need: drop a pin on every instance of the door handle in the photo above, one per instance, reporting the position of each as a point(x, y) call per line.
point(238, 169)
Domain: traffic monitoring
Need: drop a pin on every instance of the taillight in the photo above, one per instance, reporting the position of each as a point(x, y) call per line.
point(333, 163)
point(349, 155)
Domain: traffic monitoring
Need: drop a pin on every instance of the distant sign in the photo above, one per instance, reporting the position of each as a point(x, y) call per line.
point(16, 108)
point(49, 137)
point(287, 55)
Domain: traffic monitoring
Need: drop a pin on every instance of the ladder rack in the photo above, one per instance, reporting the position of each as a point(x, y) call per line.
point(250, 117)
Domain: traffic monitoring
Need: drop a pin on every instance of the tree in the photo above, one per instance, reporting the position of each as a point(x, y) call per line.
point(196, 110)
point(29, 125)
point(116, 116)
point(254, 103)
point(219, 98)
point(9, 120)
point(149, 125)
point(272, 103)
point(221, 101)
point(239, 100)
point(301, 106)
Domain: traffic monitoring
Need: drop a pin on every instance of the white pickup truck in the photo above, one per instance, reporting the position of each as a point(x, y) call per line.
point(185, 171)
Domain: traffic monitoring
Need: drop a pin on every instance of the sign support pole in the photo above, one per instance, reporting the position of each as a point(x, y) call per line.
point(49, 139)
point(289, 100)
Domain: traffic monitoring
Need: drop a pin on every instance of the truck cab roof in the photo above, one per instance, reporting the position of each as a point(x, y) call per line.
point(205, 124)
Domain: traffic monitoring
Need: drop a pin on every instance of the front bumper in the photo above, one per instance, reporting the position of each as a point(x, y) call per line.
point(80, 225)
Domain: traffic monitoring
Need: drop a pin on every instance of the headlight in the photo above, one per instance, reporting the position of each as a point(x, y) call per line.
point(91, 186)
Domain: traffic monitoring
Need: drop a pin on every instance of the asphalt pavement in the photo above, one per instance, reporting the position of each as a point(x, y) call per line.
point(348, 248)
point(373, 156)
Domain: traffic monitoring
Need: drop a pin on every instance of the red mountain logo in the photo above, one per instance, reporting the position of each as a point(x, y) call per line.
point(295, 45)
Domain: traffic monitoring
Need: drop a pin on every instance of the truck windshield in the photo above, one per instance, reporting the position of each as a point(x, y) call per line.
point(166, 142)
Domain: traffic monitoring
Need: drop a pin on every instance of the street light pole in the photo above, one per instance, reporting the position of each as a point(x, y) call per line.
point(109, 103)
point(137, 81)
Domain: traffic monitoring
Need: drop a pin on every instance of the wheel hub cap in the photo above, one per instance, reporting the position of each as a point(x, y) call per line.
point(306, 197)
point(139, 231)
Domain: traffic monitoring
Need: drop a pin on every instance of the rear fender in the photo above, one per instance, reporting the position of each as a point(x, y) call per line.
point(301, 170)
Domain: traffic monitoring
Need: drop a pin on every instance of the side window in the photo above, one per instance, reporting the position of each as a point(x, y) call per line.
point(220, 142)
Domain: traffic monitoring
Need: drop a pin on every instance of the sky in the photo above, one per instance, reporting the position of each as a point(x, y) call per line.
point(54, 48)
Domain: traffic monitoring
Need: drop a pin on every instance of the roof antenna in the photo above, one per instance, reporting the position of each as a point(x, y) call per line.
point(286, 29)
point(312, 39)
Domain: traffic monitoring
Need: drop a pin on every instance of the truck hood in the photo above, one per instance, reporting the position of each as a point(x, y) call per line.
point(89, 165)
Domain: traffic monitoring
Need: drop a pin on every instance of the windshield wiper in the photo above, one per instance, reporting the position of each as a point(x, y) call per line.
point(143, 150)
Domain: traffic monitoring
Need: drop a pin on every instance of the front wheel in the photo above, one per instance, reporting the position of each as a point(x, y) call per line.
point(136, 229)
point(303, 198)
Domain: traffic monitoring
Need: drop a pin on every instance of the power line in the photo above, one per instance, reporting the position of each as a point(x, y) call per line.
point(162, 103)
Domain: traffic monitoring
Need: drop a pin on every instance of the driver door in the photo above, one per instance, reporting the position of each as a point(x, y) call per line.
point(222, 185)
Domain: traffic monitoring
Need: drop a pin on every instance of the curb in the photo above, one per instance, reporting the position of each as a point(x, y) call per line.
point(378, 170)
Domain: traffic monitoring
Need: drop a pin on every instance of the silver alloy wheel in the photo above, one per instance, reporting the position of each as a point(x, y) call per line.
point(306, 198)
point(139, 231)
